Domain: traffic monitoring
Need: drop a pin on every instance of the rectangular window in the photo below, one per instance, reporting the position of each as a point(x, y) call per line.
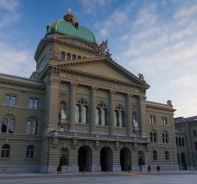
point(152, 119)
point(163, 120)
point(10, 100)
point(33, 103)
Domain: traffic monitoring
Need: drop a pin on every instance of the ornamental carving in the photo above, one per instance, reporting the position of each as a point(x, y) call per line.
point(119, 103)
point(84, 97)
point(100, 100)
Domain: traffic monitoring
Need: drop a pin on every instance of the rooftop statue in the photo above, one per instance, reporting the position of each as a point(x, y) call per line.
point(141, 76)
point(102, 49)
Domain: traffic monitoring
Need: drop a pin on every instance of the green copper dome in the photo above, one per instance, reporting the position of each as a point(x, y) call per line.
point(67, 28)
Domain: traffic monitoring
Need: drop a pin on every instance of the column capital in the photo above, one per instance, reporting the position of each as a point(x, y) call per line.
point(93, 88)
point(129, 95)
point(112, 92)
point(73, 85)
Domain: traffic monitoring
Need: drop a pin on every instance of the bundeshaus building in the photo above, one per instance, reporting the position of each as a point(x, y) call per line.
point(80, 109)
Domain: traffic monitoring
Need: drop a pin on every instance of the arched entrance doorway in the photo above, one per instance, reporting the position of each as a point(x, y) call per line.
point(85, 158)
point(183, 161)
point(106, 158)
point(141, 160)
point(125, 159)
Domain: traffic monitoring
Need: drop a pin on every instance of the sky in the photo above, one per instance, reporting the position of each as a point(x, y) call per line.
point(157, 38)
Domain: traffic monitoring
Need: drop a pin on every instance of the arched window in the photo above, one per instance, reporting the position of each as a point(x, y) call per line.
point(194, 133)
point(31, 127)
point(5, 152)
point(81, 111)
point(119, 116)
point(79, 57)
point(10, 100)
point(73, 57)
point(30, 151)
point(84, 114)
point(165, 138)
point(63, 56)
point(68, 56)
point(154, 155)
point(8, 125)
point(77, 113)
point(180, 142)
point(167, 155)
point(97, 116)
point(183, 142)
point(101, 114)
point(116, 118)
point(153, 137)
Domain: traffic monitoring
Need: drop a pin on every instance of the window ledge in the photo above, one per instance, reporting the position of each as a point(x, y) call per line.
point(82, 124)
point(119, 128)
point(103, 126)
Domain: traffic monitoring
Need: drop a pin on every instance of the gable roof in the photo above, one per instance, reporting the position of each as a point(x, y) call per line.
point(133, 79)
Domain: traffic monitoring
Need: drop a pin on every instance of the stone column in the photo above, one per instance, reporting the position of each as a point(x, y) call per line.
point(111, 119)
point(129, 118)
point(93, 109)
point(72, 107)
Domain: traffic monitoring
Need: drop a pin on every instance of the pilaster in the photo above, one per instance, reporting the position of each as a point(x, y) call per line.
point(72, 107)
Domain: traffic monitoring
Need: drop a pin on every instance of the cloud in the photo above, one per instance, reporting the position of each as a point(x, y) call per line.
point(186, 11)
point(9, 5)
point(16, 62)
point(10, 14)
point(89, 6)
point(112, 23)
point(164, 48)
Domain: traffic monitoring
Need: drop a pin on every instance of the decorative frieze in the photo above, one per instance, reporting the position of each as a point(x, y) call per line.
point(101, 83)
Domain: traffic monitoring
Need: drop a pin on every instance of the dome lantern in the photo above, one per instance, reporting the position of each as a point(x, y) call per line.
point(69, 17)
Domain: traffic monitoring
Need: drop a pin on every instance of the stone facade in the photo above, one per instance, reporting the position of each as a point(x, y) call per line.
point(107, 120)
point(186, 141)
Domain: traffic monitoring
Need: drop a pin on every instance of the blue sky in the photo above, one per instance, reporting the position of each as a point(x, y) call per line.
point(157, 38)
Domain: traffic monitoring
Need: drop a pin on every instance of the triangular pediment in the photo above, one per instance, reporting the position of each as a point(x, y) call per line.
point(103, 67)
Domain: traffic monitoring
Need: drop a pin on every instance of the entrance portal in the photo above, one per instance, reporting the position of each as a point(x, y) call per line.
point(105, 158)
point(125, 159)
point(85, 158)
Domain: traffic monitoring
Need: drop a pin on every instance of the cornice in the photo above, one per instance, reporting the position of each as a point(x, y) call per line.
point(64, 40)
point(155, 107)
point(20, 81)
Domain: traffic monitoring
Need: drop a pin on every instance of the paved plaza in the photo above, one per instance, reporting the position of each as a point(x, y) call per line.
point(189, 177)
